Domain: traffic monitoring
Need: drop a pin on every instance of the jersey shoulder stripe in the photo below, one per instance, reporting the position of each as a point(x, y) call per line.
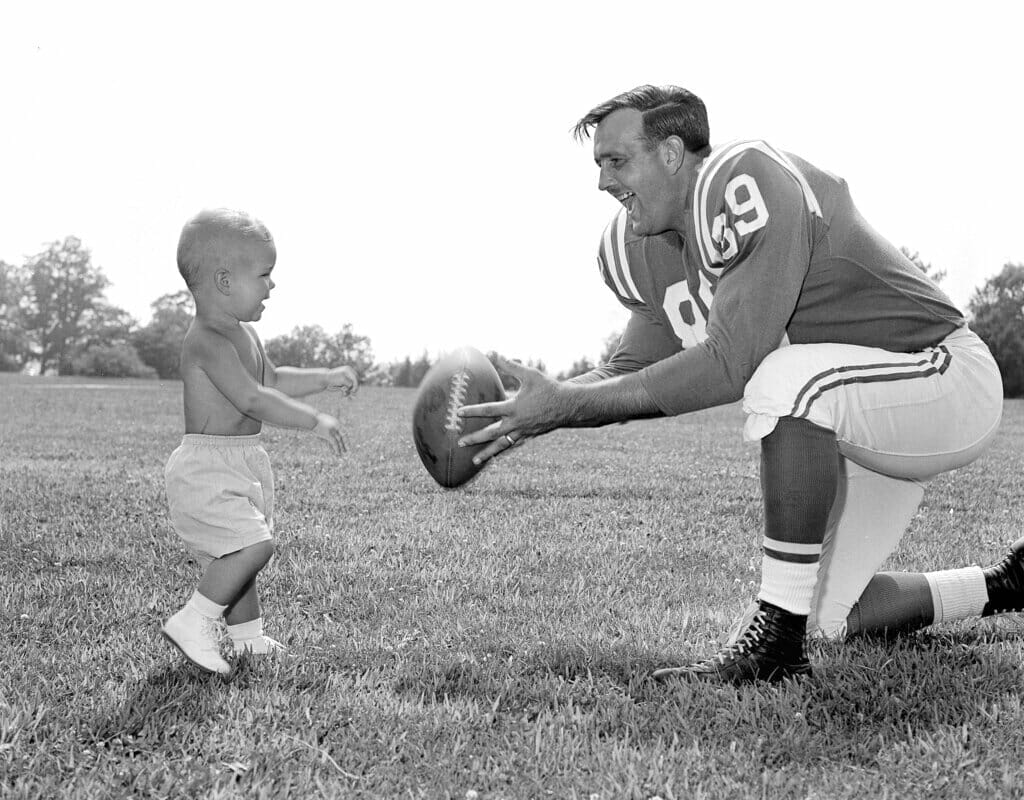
point(707, 190)
point(613, 261)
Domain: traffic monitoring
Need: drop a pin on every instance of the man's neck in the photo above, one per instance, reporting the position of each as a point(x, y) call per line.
point(692, 162)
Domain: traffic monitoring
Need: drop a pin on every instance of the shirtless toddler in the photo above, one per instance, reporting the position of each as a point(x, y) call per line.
point(220, 486)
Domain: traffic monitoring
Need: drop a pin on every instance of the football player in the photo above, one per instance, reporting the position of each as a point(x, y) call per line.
point(749, 273)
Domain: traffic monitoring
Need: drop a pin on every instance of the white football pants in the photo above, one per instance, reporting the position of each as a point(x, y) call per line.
point(899, 419)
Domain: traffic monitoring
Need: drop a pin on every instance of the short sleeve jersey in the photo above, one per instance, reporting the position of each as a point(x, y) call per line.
point(773, 252)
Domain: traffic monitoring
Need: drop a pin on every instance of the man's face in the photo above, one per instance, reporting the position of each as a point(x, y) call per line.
point(635, 176)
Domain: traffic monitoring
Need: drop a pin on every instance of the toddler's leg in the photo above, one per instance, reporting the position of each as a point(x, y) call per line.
point(245, 624)
point(227, 577)
point(194, 630)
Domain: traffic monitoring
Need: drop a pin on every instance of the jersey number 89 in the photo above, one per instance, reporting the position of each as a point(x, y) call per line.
point(753, 204)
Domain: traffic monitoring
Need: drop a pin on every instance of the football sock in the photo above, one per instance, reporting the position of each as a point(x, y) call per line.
point(799, 472)
point(205, 606)
point(957, 593)
point(897, 602)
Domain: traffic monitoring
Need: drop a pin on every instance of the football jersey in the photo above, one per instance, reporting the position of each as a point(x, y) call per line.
point(773, 251)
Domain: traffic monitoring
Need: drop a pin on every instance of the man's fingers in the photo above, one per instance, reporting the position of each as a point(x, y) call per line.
point(481, 436)
point(499, 444)
point(497, 409)
point(488, 452)
point(513, 368)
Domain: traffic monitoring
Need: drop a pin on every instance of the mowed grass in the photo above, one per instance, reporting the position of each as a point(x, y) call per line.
point(488, 642)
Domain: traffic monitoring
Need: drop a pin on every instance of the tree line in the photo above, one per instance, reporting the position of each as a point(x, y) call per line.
point(55, 318)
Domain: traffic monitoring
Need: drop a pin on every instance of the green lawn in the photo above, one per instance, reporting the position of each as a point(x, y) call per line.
point(487, 642)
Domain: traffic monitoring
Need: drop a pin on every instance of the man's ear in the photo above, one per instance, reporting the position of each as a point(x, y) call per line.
point(672, 152)
point(222, 280)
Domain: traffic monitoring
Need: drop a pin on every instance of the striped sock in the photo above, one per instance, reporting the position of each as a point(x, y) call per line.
point(799, 475)
point(789, 572)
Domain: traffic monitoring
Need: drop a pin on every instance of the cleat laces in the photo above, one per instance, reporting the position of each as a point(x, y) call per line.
point(742, 646)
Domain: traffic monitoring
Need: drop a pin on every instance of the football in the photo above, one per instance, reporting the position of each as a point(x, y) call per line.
point(462, 377)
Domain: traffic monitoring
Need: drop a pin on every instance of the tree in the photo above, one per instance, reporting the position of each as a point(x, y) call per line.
point(997, 310)
point(579, 367)
point(936, 275)
point(402, 372)
point(409, 373)
point(118, 360)
point(311, 346)
point(159, 342)
point(64, 287)
point(15, 343)
point(611, 344)
point(420, 367)
point(106, 325)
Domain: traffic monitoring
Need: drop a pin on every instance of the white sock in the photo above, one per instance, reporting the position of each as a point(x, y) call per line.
point(205, 606)
point(957, 593)
point(788, 585)
point(246, 631)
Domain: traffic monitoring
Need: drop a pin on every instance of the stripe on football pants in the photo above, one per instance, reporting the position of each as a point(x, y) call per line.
point(936, 364)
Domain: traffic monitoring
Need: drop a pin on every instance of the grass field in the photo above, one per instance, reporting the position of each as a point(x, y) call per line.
point(491, 642)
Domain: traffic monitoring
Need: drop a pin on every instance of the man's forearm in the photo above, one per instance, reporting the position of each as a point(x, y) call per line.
point(589, 405)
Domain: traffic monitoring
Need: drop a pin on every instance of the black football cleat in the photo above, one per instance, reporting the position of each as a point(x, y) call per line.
point(770, 649)
point(1005, 582)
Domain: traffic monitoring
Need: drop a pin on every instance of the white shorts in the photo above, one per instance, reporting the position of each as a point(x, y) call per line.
point(220, 490)
point(899, 419)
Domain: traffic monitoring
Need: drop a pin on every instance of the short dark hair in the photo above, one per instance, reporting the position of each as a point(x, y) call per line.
point(667, 111)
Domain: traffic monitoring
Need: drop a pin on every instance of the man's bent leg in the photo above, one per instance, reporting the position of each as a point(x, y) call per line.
point(899, 602)
point(799, 471)
point(870, 516)
point(905, 415)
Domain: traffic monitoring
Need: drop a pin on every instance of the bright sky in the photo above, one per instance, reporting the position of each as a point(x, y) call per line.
point(414, 160)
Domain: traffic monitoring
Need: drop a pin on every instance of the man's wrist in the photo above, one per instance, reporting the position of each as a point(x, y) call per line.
point(570, 405)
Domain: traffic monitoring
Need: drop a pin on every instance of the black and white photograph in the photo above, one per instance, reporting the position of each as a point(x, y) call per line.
point(587, 401)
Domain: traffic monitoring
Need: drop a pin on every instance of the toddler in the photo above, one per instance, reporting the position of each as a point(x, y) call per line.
point(220, 486)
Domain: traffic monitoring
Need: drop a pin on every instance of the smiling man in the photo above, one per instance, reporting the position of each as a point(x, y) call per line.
point(750, 274)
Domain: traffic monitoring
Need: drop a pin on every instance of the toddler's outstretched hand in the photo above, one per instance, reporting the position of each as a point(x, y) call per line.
point(329, 429)
point(343, 379)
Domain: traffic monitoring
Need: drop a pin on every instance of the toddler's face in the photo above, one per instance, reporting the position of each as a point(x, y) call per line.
point(250, 278)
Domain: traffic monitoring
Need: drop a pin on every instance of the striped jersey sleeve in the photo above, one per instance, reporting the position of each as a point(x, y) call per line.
point(614, 263)
point(731, 203)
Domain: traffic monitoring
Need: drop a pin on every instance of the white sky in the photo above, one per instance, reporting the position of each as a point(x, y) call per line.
point(414, 160)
